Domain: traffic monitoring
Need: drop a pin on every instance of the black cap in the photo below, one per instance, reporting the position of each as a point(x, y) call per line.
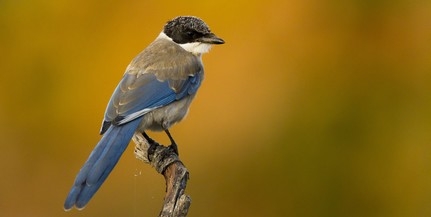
point(187, 29)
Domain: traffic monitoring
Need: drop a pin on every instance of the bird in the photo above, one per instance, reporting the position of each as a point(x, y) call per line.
point(154, 93)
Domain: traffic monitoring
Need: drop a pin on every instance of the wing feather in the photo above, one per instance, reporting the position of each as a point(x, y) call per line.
point(152, 80)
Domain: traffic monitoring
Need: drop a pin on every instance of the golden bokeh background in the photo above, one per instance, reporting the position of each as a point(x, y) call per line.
point(311, 108)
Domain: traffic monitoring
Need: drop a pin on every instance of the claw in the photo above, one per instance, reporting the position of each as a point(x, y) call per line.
point(173, 145)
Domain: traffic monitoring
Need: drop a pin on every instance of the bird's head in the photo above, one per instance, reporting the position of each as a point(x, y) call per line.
point(191, 33)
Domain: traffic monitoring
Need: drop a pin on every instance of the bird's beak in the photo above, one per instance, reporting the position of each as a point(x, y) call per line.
point(211, 39)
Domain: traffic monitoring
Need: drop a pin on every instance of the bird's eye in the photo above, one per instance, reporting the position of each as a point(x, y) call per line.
point(190, 34)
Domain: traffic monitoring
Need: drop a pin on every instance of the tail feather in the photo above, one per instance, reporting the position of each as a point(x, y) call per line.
point(100, 163)
point(108, 158)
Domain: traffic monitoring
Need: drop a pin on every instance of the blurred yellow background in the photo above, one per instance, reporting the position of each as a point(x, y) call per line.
point(311, 108)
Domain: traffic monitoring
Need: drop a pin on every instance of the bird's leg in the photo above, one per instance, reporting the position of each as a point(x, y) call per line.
point(152, 148)
point(149, 140)
point(173, 145)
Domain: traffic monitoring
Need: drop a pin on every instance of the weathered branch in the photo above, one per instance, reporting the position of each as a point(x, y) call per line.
point(166, 162)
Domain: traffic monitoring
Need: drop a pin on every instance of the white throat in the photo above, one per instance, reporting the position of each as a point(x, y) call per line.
point(196, 48)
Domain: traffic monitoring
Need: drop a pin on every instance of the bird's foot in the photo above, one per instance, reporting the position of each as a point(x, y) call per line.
point(173, 145)
point(153, 145)
point(174, 148)
point(149, 140)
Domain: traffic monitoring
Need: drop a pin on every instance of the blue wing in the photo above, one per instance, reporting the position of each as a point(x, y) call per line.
point(161, 79)
point(138, 95)
point(146, 85)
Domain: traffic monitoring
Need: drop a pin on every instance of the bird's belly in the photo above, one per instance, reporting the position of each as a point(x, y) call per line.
point(166, 116)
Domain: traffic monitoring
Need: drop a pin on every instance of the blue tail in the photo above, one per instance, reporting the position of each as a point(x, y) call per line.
point(100, 163)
